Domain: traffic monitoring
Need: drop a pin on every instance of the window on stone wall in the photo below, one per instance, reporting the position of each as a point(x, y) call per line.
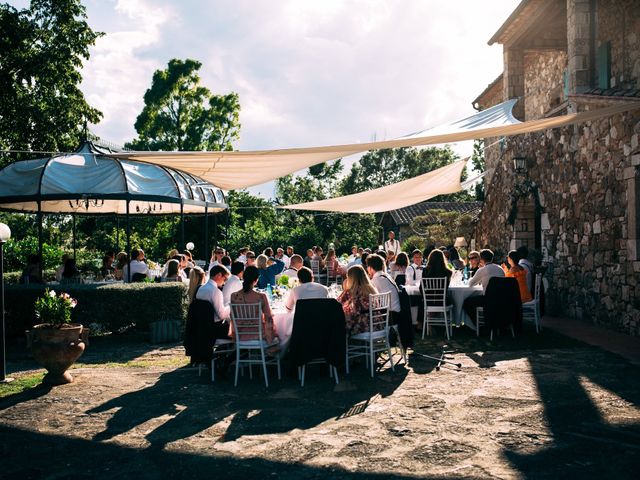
point(603, 62)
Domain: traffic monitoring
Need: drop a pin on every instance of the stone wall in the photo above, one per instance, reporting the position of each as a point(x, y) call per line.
point(543, 81)
point(582, 174)
point(618, 21)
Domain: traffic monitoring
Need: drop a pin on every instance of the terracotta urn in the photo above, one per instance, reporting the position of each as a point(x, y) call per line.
point(57, 348)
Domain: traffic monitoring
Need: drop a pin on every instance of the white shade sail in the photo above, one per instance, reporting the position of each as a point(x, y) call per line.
point(399, 195)
point(235, 170)
point(88, 182)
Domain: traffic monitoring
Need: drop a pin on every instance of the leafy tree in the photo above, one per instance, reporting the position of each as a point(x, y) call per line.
point(440, 227)
point(181, 114)
point(477, 160)
point(42, 49)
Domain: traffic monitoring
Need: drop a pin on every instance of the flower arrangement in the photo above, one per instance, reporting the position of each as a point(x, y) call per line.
point(283, 280)
point(55, 309)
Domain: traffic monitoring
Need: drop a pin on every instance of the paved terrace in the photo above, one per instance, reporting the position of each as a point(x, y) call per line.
point(537, 406)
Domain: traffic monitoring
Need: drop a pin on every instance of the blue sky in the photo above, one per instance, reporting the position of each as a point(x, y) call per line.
point(307, 72)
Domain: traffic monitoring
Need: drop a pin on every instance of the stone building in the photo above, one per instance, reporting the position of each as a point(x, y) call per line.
point(576, 197)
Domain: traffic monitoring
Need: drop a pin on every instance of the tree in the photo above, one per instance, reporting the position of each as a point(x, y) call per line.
point(380, 168)
point(477, 160)
point(42, 49)
point(180, 114)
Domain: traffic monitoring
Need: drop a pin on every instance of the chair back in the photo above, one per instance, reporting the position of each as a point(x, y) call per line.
point(503, 306)
point(315, 268)
point(318, 332)
point(247, 321)
point(538, 284)
point(138, 277)
point(434, 292)
point(379, 311)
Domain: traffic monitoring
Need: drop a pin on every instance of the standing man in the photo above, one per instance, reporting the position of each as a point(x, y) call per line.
point(392, 244)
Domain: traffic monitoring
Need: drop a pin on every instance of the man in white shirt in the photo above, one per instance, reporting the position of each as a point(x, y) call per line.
point(383, 282)
point(250, 259)
point(242, 257)
point(392, 244)
point(211, 292)
point(295, 264)
point(413, 273)
point(354, 254)
point(307, 289)
point(136, 265)
point(486, 271)
point(282, 257)
point(234, 283)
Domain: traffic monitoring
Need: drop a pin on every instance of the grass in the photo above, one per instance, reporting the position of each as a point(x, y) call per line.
point(21, 383)
point(165, 362)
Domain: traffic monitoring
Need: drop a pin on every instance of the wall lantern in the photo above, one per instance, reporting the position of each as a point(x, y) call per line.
point(520, 165)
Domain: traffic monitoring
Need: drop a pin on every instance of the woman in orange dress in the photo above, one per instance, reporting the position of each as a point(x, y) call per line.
point(520, 274)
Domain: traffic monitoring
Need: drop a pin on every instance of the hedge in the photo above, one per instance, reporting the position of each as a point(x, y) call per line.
point(15, 277)
point(115, 306)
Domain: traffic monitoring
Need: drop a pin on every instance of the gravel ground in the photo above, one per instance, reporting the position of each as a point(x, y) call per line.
point(537, 406)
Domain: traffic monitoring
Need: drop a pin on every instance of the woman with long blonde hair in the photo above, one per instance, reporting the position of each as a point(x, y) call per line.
point(355, 299)
point(196, 280)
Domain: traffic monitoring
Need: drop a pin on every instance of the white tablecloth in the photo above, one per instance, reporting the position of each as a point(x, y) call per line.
point(283, 323)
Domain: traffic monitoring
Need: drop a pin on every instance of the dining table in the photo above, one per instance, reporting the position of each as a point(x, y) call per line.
point(459, 291)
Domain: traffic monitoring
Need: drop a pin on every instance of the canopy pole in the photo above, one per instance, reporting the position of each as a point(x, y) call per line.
point(128, 246)
point(40, 239)
point(73, 221)
point(226, 232)
point(215, 230)
point(181, 226)
point(117, 233)
point(206, 236)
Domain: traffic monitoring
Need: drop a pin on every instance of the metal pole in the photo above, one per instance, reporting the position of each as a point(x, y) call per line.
point(40, 238)
point(3, 367)
point(117, 233)
point(128, 246)
point(74, 235)
point(215, 230)
point(226, 231)
point(181, 227)
point(206, 236)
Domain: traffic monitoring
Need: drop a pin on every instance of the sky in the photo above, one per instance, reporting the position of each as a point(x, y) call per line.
point(308, 72)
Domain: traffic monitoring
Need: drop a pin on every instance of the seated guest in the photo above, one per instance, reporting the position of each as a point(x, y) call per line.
point(242, 255)
point(248, 295)
point(355, 300)
point(391, 257)
point(226, 262)
point(413, 273)
point(268, 272)
point(361, 260)
point(427, 251)
point(331, 262)
point(31, 272)
point(251, 259)
point(383, 282)
point(190, 262)
point(524, 262)
point(211, 292)
point(182, 266)
point(268, 252)
point(60, 269)
point(280, 255)
point(307, 289)
point(354, 254)
point(136, 266)
point(106, 268)
point(122, 259)
point(437, 267)
point(454, 258)
point(487, 270)
point(197, 278)
point(290, 252)
point(520, 274)
point(234, 283)
point(295, 264)
point(308, 258)
point(71, 274)
point(216, 255)
point(398, 269)
point(474, 262)
point(173, 272)
point(318, 256)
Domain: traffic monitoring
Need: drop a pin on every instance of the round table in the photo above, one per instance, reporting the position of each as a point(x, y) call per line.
point(459, 293)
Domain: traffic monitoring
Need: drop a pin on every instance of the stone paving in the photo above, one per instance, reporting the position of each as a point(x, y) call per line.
point(531, 407)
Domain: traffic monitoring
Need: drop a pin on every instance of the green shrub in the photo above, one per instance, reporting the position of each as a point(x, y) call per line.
point(12, 278)
point(115, 306)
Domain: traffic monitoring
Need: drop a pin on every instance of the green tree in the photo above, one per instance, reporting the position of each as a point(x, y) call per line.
point(42, 49)
point(181, 114)
point(478, 163)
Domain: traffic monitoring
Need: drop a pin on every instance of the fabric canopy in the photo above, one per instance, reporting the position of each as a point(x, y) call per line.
point(235, 170)
point(87, 182)
point(399, 195)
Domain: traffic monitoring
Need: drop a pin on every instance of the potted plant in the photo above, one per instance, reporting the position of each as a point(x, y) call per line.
point(56, 343)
